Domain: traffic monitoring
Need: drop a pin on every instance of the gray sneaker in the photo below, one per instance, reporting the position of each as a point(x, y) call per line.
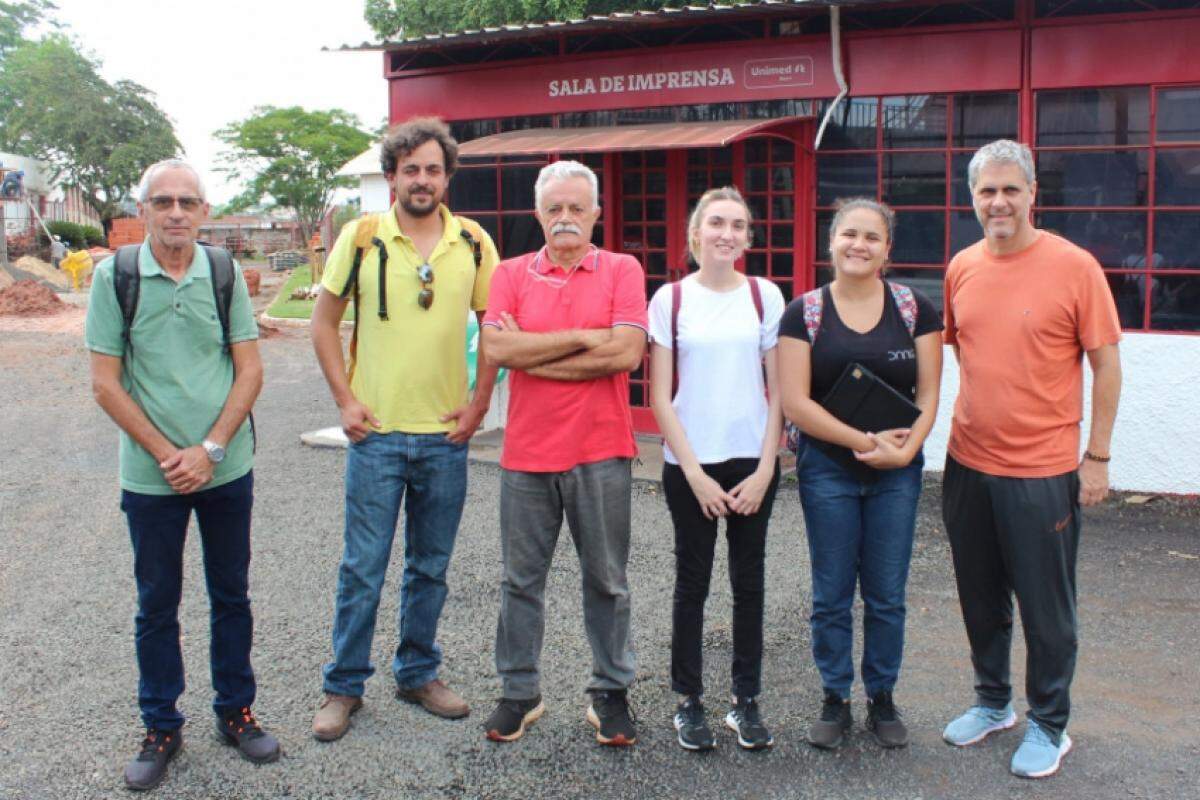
point(978, 723)
point(829, 731)
point(883, 720)
point(149, 767)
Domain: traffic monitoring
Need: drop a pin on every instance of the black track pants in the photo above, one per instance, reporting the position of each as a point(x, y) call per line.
point(1017, 535)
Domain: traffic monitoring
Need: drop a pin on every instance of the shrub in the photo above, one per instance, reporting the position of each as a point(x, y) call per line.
point(74, 235)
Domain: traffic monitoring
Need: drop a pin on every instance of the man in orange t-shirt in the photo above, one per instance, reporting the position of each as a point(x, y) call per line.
point(1023, 307)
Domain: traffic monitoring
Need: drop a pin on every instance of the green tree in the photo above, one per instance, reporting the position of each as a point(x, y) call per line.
point(289, 157)
point(408, 18)
point(94, 135)
point(16, 16)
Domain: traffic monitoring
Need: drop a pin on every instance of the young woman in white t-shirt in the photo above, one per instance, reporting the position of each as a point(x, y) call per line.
point(721, 426)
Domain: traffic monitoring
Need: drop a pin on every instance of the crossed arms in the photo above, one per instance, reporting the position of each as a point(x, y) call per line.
point(576, 354)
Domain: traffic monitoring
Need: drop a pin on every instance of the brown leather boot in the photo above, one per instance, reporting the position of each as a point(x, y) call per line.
point(332, 719)
point(437, 698)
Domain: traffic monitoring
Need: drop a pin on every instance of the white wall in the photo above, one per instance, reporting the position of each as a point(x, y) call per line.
point(375, 196)
point(1156, 443)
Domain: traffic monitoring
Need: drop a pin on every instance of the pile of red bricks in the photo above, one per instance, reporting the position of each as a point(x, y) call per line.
point(126, 230)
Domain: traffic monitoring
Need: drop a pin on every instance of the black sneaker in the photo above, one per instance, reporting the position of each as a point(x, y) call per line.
point(744, 719)
point(830, 730)
point(241, 730)
point(149, 767)
point(883, 720)
point(609, 714)
point(511, 717)
point(694, 733)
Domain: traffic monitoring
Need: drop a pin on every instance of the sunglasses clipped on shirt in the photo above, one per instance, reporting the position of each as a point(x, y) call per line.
point(425, 276)
point(164, 202)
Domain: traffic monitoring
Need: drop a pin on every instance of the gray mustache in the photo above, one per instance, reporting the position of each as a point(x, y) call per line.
point(565, 227)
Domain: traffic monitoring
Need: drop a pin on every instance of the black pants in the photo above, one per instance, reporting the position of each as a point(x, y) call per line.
point(1017, 535)
point(695, 543)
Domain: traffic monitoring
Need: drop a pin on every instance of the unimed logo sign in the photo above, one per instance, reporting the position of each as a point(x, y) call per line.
point(769, 73)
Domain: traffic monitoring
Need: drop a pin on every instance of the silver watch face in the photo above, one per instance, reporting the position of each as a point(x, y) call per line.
point(216, 453)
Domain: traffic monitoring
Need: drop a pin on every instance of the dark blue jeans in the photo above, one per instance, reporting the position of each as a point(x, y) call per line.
point(858, 533)
point(379, 471)
point(158, 528)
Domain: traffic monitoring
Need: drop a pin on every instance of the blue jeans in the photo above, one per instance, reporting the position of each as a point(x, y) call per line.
point(858, 533)
point(158, 528)
point(379, 470)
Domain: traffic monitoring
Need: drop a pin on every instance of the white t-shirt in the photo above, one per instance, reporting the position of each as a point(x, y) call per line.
point(721, 400)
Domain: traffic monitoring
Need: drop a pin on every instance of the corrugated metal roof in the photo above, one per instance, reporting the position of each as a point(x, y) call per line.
point(597, 23)
point(611, 139)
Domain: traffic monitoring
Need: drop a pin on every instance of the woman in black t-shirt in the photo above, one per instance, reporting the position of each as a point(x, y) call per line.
point(859, 520)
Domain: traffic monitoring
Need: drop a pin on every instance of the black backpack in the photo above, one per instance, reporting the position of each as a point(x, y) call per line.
point(127, 283)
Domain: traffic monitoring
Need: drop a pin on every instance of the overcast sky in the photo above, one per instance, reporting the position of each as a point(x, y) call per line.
point(212, 62)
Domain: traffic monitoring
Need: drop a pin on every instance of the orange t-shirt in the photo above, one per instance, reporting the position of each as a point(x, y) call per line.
point(1022, 323)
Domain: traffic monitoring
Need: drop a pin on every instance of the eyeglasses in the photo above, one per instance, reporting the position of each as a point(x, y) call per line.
point(425, 276)
point(166, 203)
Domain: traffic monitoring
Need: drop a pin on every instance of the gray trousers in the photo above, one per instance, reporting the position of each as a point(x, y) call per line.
point(595, 498)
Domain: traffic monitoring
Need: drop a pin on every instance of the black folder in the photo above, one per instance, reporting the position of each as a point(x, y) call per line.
point(864, 402)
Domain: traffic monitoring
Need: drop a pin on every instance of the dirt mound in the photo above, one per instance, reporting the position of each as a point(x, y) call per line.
point(30, 299)
point(35, 266)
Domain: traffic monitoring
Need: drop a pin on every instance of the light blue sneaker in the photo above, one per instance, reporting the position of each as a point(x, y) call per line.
point(1038, 756)
point(977, 723)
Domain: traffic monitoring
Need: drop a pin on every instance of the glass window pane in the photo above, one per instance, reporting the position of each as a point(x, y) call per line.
point(920, 238)
point(758, 235)
point(781, 265)
point(960, 193)
point(722, 177)
point(1177, 178)
point(824, 275)
point(964, 230)
point(631, 211)
point(633, 237)
point(845, 176)
point(631, 182)
point(656, 235)
point(697, 182)
point(756, 263)
point(782, 235)
point(1178, 115)
point(491, 224)
point(782, 179)
point(1175, 303)
point(917, 120)
point(656, 210)
point(656, 158)
point(781, 208)
point(522, 234)
point(1129, 293)
point(473, 189)
point(1175, 240)
point(756, 179)
point(1112, 116)
point(928, 282)
point(1116, 239)
point(782, 152)
point(982, 118)
point(914, 179)
point(656, 183)
point(852, 126)
point(824, 219)
point(757, 151)
point(516, 187)
point(1093, 179)
point(758, 207)
point(656, 263)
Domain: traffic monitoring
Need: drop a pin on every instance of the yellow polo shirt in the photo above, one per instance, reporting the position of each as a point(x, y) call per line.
point(411, 368)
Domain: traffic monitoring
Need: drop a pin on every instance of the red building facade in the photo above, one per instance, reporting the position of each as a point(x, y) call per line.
point(665, 105)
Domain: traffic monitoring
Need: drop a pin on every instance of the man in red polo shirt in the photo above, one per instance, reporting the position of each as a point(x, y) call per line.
point(570, 322)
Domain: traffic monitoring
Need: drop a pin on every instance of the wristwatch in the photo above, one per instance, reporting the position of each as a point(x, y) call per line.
point(216, 453)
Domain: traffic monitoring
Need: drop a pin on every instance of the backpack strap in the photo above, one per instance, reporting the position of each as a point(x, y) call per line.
point(127, 284)
point(364, 237)
point(906, 304)
point(471, 233)
point(813, 303)
point(676, 302)
point(756, 296)
point(223, 278)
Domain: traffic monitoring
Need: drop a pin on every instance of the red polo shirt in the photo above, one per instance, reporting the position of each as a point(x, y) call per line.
point(554, 426)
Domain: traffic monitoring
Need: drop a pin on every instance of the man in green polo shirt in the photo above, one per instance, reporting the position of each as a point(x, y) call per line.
point(182, 399)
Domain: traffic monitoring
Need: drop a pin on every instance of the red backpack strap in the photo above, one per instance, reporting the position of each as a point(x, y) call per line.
point(813, 301)
point(906, 304)
point(676, 302)
point(756, 296)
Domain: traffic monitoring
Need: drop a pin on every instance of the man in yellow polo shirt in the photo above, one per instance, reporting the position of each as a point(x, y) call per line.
point(414, 274)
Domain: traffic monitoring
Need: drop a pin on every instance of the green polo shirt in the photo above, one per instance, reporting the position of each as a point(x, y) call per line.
point(178, 371)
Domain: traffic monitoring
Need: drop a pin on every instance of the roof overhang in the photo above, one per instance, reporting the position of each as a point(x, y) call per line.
point(620, 138)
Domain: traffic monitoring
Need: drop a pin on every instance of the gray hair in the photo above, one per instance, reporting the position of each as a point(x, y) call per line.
point(1001, 151)
point(845, 205)
point(143, 193)
point(562, 170)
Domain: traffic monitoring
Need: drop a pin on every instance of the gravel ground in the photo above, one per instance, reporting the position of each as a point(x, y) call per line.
point(68, 719)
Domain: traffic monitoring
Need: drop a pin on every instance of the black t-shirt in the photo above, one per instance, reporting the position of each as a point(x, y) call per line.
point(887, 349)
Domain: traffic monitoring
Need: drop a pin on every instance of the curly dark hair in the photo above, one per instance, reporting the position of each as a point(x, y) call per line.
point(408, 136)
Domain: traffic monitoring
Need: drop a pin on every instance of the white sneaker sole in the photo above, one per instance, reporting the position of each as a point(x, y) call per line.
point(1008, 723)
point(693, 747)
point(1064, 747)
